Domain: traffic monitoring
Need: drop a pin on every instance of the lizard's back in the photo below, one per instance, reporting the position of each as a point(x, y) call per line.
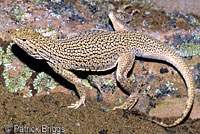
point(99, 50)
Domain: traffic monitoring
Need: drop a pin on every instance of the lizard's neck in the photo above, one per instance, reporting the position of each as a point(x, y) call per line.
point(45, 46)
point(52, 49)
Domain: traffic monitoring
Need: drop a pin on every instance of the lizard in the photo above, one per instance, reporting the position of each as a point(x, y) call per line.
point(97, 50)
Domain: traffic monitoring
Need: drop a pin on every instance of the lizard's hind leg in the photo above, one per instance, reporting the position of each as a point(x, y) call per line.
point(125, 63)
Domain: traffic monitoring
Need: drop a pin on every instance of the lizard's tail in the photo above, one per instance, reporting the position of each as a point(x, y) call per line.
point(182, 67)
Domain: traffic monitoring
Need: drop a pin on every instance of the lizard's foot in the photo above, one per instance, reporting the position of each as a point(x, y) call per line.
point(78, 103)
point(130, 102)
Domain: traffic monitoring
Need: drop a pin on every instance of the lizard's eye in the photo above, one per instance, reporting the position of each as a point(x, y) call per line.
point(24, 39)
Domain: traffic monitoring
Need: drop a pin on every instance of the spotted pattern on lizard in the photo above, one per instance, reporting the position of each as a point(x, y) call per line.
point(100, 51)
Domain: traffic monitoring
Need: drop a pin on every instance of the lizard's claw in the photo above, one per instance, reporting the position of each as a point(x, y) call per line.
point(78, 103)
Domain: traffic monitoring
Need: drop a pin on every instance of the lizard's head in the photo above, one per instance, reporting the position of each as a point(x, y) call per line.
point(27, 40)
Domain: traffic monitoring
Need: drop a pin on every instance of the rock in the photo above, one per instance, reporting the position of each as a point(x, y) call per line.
point(173, 107)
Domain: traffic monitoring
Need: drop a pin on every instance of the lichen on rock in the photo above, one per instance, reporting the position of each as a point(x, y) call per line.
point(44, 81)
point(189, 49)
point(14, 81)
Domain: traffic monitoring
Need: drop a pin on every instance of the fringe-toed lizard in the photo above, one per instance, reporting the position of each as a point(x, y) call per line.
point(101, 51)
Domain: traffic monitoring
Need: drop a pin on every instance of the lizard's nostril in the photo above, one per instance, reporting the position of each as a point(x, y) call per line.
point(24, 39)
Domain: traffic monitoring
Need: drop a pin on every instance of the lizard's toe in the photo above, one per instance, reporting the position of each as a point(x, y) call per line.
point(78, 103)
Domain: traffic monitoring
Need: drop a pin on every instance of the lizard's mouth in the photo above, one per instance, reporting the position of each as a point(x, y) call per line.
point(24, 44)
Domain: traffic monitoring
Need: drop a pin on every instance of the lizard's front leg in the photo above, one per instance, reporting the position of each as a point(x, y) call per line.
point(125, 63)
point(71, 77)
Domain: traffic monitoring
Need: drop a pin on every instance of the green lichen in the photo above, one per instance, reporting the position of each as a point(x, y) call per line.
point(40, 2)
point(17, 83)
point(102, 83)
point(73, 92)
point(86, 83)
point(166, 91)
point(132, 78)
point(158, 91)
point(147, 89)
point(119, 101)
point(44, 81)
point(147, 3)
point(170, 86)
point(194, 21)
point(19, 13)
point(197, 37)
point(56, 1)
point(189, 49)
point(109, 82)
point(45, 30)
point(1, 55)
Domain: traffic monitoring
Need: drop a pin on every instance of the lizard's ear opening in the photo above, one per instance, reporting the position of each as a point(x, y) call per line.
point(24, 39)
